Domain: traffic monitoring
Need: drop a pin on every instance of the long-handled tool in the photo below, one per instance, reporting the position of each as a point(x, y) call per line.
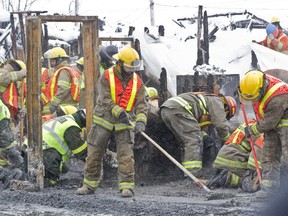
point(251, 143)
point(199, 183)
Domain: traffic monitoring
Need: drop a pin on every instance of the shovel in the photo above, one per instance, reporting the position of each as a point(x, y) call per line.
point(199, 183)
point(212, 195)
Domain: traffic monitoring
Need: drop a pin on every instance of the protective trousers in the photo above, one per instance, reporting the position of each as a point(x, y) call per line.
point(275, 142)
point(97, 139)
point(232, 158)
point(186, 129)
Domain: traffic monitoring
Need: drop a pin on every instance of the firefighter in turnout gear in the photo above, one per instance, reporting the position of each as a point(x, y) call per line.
point(276, 39)
point(62, 139)
point(269, 98)
point(187, 113)
point(10, 157)
point(122, 98)
point(235, 161)
point(63, 87)
point(12, 71)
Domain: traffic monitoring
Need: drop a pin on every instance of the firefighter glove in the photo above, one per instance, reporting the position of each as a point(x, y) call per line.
point(139, 127)
point(248, 132)
point(271, 37)
point(123, 118)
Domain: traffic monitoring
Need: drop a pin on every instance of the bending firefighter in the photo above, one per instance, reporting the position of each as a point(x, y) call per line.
point(235, 162)
point(62, 139)
point(187, 113)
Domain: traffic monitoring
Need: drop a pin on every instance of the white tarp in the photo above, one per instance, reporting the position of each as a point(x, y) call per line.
point(269, 59)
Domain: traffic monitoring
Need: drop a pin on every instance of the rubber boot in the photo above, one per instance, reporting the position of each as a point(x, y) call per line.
point(84, 190)
point(127, 193)
point(218, 180)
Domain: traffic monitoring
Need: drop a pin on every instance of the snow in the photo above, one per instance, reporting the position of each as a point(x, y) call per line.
point(230, 52)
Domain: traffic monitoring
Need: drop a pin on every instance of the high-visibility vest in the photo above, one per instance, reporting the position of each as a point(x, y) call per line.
point(53, 135)
point(125, 98)
point(238, 135)
point(10, 98)
point(275, 87)
point(4, 111)
point(44, 84)
point(205, 118)
point(74, 89)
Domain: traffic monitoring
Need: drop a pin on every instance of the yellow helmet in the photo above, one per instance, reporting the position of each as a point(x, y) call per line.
point(55, 52)
point(16, 64)
point(152, 93)
point(251, 84)
point(128, 56)
point(80, 61)
point(68, 109)
point(274, 20)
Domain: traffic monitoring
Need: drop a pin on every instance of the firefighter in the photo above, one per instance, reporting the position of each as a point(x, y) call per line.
point(187, 113)
point(62, 139)
point(46, 74)
point(269, 98)
point(10, 157)
point(12, 71)
point(153, 97)
point(62, 110)
point(234, 162)
point(63, 88)
point(275, 39)
point(122, 97)
point(276, 21)
point(106, 57)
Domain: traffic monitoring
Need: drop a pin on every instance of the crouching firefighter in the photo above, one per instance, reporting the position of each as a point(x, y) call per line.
point(62, 139)
point(10, 157)
point(235, 163)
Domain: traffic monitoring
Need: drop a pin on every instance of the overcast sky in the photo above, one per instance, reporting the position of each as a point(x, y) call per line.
point(130, 11)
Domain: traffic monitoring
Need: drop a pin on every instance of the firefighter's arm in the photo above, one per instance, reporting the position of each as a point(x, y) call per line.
point(76, 143)
point(218, 118)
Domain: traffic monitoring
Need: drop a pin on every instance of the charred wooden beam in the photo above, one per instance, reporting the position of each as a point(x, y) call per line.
point(200, 59)
point(206, 39)
point(163, 94)
point(13, 37)
point(34, 132)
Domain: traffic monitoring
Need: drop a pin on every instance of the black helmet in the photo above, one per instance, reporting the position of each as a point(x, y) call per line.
point(107, 52)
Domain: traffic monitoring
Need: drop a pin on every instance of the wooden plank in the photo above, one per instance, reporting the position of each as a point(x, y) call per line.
point(34, 151)
point(55, 18)
point(91, 68)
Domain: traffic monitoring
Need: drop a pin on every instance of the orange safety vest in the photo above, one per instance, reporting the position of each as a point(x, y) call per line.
point(238, 135)
point(47, 118)
point(125, 98)
point(74, 90)
point(10, 98)
point(44, 81)
point(275, 87)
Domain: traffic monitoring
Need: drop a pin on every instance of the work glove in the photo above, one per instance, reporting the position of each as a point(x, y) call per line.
point(271, 37)
point(139, 127)
point(123, 118)
point(248, 132)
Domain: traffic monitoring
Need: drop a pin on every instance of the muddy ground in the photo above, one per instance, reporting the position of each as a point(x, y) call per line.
point(174, 197)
